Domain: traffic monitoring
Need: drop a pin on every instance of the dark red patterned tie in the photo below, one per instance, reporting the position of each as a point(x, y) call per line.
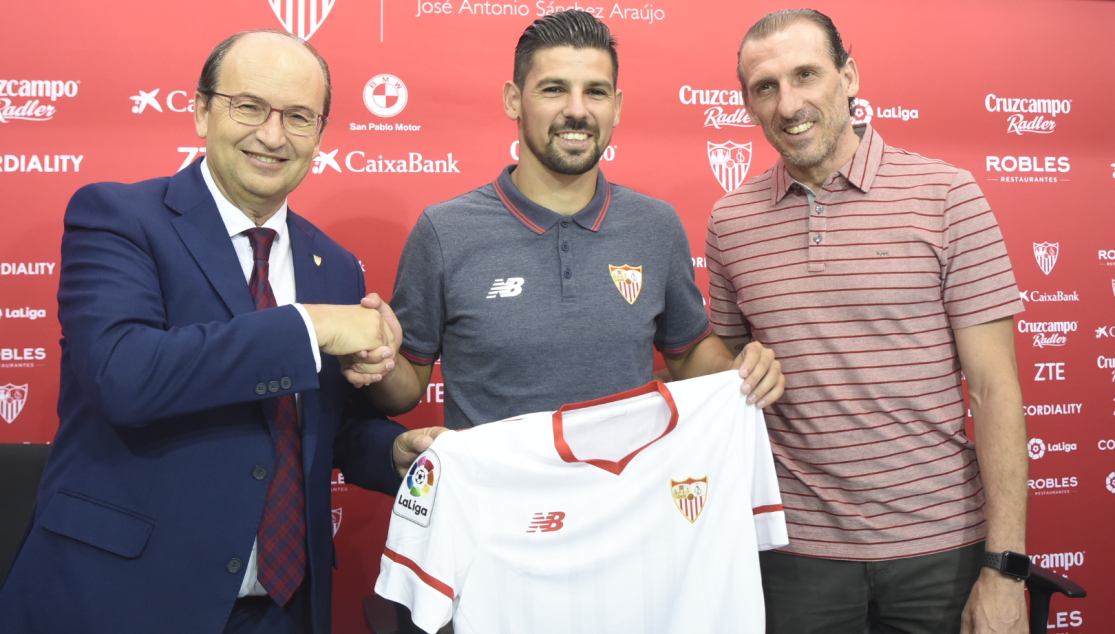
point(282, 533)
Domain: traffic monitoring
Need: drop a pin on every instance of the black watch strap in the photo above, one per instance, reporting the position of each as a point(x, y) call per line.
point(1011, 564)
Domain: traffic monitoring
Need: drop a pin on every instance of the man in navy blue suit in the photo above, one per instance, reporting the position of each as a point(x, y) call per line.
point(202, 407)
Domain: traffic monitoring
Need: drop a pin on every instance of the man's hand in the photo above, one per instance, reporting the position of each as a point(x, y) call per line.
point(997, 605)
point(372, 366)
point(345, 330)
point(763, 382)
point(411, 443)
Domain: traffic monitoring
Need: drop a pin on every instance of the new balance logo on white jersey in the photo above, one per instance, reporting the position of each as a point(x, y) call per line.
point(510, 287)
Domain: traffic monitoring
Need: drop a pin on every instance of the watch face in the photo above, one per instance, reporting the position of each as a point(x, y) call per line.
point(1015, 564)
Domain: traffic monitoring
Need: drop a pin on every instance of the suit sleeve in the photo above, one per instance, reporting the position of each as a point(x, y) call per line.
point(129, 361)
point(362, 450)
point(431, 541)
point(766, 500)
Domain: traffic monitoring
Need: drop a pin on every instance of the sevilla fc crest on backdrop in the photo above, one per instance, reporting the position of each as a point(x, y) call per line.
point(302, 17)
point(729, 162)
point(1046, 255)
point(12, 398)
point(690, 496)
point(628, 279)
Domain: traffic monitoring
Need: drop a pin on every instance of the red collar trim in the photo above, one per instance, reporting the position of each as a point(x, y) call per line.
point(608, 465)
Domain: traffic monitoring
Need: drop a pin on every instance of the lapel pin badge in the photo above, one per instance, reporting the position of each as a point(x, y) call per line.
point(317, 260)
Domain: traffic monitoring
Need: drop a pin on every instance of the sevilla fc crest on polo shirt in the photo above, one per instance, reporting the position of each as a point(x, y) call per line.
point(628, 279)
point(690, 496)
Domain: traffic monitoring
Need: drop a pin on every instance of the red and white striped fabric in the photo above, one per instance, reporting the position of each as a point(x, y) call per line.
point(859, 295)
point(583, 520)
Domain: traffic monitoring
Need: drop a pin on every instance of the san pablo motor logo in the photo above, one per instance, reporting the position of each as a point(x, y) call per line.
point(690, 496)
point(302, 17)
point(628, 279)
point(729, 162)
point(385, 95)
point(12, 398)
point(1046, 255)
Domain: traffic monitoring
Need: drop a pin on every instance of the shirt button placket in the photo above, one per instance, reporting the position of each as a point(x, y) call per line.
point(565, 260)
point(817, 238)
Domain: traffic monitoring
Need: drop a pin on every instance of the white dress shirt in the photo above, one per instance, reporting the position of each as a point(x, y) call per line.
point(281, 276)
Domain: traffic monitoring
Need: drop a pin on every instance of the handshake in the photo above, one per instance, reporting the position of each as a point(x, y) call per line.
point(365, 337)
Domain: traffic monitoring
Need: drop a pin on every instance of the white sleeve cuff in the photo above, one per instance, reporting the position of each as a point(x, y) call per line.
point(313, 334)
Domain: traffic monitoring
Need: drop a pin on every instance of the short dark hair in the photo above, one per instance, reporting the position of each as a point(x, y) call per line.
point(578, 29)
point(211, 71)
point(772, 23)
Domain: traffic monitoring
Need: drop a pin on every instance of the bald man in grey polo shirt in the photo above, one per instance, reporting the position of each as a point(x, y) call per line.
point(551, 285)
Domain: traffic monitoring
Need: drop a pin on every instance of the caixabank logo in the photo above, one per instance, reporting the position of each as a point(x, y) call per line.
point(151, 101)
point(361, 162)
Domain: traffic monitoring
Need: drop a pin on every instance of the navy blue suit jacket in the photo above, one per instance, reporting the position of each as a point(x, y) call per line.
point(151, 493)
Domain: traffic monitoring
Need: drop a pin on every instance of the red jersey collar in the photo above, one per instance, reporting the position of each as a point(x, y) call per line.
point(608, 465)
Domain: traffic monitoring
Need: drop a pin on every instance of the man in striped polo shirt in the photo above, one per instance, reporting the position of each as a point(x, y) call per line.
point(876, 275)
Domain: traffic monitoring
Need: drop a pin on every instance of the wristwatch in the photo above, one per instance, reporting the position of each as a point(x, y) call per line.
point(1011, 564)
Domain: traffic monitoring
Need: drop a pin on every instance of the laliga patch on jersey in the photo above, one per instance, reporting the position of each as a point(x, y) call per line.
point(628, 279)
point(690, 496)
point(415, 501)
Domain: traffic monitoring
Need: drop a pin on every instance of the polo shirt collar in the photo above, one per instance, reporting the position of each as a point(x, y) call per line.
point(860, 171)
point(540, 219)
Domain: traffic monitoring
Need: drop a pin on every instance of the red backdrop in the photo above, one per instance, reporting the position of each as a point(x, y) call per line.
point(102, 91)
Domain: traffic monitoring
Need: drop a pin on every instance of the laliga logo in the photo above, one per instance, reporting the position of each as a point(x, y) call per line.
point(1111, 482)
point(863, 112)
point(1046, 255)
point(729, 162)
point(336, 520)
point(1036, 448)
point(385, 95)
point(12, 398)
point(296, 16)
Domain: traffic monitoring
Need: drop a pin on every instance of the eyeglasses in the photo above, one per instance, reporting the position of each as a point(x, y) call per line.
point(252, 111)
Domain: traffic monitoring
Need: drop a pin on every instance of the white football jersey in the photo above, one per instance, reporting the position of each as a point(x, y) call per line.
point(640, 512)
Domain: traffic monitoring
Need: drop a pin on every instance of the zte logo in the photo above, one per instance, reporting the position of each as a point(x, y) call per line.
point(1050, 372)
point(510, 287)
point(546, 522)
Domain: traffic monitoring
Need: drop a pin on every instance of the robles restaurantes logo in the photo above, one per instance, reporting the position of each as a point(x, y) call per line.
point(865, 112)
point(725, 107)
point(12, 399)
point(1107, 256)
point(31, 91)
point(385, 95)
point(1045, 254)
point(1028, 165)
point(729, 162)
point(1017, 123)
point(1052, 486)
point(302, 17)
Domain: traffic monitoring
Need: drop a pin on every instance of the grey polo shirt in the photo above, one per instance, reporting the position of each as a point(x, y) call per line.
point(529, 309)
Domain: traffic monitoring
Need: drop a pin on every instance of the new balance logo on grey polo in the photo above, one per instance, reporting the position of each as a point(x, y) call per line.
point(510, 287)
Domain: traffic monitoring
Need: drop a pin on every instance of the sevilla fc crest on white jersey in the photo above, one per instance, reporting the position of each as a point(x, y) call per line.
point(690, 496)
point(302, 17)
point(1046, 255)
point(729, 163)
point(628, 279)
point(12, 398)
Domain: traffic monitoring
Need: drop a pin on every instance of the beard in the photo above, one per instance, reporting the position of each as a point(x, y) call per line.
point(569, 162)
point(833, 122)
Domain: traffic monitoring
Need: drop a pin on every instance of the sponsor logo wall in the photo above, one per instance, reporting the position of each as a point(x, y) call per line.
point(417, 119)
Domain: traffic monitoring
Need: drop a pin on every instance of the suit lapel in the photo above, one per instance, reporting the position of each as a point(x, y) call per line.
point(309, 282)
point(203, 232)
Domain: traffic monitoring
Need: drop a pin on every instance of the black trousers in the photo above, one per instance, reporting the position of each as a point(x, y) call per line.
point(915, 595)
point(261, 615)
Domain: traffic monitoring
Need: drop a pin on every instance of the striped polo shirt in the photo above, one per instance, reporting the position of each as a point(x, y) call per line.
point(858, 290)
